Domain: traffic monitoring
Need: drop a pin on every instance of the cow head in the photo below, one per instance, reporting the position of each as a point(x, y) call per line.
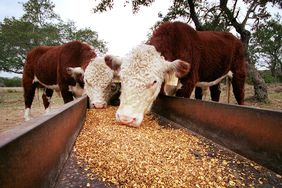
point(100, 83)
point(77, 73)
point(142, 73)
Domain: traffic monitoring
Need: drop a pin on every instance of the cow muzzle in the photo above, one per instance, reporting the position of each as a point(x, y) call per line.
point(98, 105)
point(129, 120)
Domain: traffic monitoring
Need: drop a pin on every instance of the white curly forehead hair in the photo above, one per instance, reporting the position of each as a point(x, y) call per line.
point(98, 78)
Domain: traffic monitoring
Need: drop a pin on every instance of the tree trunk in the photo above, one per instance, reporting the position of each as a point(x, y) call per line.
point(258, 82)
point(273, 71)
point(260, 88)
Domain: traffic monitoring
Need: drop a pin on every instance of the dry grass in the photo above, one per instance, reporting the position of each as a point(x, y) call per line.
point(274, 95)
point(12, 103)
point(12, 106)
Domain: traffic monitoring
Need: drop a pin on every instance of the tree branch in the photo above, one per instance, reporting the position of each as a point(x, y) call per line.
point(194, 16)
point(252, 8)
point(234, 7)
point(11, 70)
point(228, 13)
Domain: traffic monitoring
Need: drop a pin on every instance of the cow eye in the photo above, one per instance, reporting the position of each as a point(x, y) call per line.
point(113, 87)
point(151, 84)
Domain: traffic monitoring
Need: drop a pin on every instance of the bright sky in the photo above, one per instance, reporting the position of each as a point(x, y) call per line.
point(119, 27)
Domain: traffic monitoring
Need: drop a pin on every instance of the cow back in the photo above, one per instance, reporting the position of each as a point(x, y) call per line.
point(176, 41)
point(46, 67)
point(32, 58)
point(220, 51)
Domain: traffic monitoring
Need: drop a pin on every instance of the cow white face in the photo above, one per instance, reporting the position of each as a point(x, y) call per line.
point(142, 74)
point(99, 84)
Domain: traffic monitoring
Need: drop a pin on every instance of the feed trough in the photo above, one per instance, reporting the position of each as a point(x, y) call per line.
point(40, 153)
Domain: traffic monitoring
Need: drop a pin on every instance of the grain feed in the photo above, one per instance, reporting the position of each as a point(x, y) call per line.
point(155, 156)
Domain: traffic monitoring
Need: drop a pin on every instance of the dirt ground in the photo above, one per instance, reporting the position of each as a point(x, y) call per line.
point(12, 106)
point(12, 103)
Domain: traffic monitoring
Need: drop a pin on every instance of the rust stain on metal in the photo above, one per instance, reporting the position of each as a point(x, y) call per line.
point(33, 154)
point(251, 132)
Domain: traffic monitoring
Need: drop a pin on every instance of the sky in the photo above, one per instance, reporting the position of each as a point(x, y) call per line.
point(119, 27)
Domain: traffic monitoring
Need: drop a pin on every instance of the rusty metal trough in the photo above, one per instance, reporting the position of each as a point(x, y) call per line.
point(34, 154)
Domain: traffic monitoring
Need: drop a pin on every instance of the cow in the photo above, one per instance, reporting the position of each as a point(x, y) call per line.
point(170, 89)
point(205, 85)
point(142, 73)
point(101, 84)
point(176, 48)
point(60, 68)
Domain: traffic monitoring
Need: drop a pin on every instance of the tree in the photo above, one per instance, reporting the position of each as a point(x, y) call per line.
point(39, 12)
point(15, 38)
point(208, 16)
point(266, 46)
point(38, 26)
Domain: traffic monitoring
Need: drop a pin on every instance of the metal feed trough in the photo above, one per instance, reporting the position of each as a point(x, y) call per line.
point(39, 153)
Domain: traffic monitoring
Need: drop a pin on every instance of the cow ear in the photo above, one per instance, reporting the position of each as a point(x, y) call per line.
point(113, 62)
point(181, 68)
point(75, 71)
point(69, 70)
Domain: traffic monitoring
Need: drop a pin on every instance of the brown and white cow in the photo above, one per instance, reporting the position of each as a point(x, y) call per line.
point(211, 54)
point(172, 45)
point(60, 68)
point(170, 89)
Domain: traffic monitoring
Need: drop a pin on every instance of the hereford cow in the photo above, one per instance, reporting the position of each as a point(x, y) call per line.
point(176, 48)
point(170, 89)
point(101, 84)
point(58, 68)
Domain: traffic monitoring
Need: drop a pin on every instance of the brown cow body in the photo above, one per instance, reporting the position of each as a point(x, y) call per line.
point(47, 67)
point(211, 55)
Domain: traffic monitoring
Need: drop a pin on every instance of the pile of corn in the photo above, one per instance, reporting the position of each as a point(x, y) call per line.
point(154, 156)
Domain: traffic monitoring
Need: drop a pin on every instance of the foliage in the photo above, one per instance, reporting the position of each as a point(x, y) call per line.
point(10, 82)
point(266, 46)
point(208, 15)
point(14, 39)
point(38, 26)
point(39, 12)
point(268, 78)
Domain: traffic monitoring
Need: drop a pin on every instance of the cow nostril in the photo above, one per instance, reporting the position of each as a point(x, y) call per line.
point(91, 105)
point(124, 119)
point(99, 105)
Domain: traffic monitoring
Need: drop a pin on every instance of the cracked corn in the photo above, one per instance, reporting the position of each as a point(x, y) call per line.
point(155, 156)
